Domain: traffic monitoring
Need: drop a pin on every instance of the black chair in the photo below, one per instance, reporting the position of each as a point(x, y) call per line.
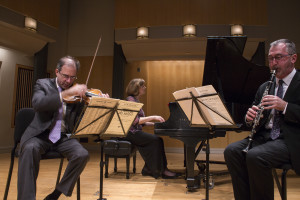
point(23, 119)
point(282, 187)
point(118, 148)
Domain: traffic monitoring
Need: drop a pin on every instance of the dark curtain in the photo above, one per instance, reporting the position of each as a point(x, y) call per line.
point(40, 64)
point(118, 72)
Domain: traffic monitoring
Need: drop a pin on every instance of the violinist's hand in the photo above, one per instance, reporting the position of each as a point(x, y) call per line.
point(104, 95)
point(75, 90)
point(272, 101)
point(251, 113)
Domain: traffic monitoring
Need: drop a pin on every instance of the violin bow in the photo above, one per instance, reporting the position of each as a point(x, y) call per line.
point(87, 80)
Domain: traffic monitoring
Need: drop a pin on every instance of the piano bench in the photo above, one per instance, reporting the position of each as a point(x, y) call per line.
point(115, 148)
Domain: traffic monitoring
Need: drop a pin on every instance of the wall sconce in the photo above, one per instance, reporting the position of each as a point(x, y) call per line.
point(189, 30)
point(236, 30)
point(30, 23)
point(142, 33)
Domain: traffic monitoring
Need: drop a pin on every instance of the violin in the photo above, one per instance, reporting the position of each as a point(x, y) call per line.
point(88, 95)
point(91, 92)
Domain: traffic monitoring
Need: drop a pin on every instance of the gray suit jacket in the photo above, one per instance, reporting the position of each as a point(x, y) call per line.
point(290, 123)
point(46, 102)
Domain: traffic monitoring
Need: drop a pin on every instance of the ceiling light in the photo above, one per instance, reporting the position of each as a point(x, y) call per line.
point(30, 23)
point(189, 30)
point(142, 33)
point(236, 30)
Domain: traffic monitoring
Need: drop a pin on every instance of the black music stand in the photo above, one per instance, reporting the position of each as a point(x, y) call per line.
point(204, 110)
point(99, 116)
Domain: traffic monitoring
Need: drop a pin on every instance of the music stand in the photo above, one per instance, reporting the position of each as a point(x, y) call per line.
point(106, 117)
point(210, 112)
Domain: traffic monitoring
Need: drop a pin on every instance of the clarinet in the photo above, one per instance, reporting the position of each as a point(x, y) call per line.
point(259, 113)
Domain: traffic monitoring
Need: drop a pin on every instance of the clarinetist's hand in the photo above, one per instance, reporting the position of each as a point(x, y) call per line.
point(251, 113)
point(272, 101)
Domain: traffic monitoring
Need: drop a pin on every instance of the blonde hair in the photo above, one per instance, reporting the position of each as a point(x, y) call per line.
point(134, 86)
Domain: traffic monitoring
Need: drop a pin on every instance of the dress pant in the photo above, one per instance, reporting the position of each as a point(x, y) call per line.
point(29, 160)
point(251, 172)
point(151, 148)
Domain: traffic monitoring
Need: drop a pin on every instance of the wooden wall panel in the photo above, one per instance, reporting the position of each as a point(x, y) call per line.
point(166, 77)
point(134, 13)
point(101, 75)
point(46, 11)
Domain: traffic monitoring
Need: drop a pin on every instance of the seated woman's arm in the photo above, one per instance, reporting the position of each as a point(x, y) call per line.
point(149, 120)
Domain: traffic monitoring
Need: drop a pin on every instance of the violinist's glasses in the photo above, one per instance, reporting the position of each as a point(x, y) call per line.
point(277, 57)
point(65, 76)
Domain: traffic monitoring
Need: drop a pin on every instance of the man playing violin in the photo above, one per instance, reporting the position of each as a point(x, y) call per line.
point(52, 121)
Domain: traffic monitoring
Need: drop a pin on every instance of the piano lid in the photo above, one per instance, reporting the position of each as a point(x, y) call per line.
point(235, 78)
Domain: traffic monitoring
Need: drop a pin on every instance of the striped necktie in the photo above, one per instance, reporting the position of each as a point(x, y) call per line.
point(275, 132)
point(55, 133)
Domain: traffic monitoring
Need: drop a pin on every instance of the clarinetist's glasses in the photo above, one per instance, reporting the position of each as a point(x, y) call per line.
point(277, 57)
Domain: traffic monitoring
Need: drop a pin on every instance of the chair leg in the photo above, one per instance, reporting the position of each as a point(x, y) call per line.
point(283, 185)
point(106, 165)
point(78, 188)
point(12, 161)
point(277, 181)
point(59, 171)
point(134, 162)
point(127, 166)
point(116, 164)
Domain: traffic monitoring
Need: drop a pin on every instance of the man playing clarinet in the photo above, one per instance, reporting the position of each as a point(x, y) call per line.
point(277, 136)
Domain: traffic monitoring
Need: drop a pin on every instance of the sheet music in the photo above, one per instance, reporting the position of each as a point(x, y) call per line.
point(210, 105)
point(127, 111)
point(104, 116)
point(221, 116)
point(97, 107)
point(186, 105)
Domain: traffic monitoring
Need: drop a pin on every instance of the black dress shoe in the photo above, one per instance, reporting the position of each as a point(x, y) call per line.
point(148, 173)
point(168, 177)
point(171, 177)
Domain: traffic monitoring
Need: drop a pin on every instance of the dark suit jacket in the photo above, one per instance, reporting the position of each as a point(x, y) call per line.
point(46, 102)
point(290, 123)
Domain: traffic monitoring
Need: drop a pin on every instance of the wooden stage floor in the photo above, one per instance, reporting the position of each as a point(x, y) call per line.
point(138, 187)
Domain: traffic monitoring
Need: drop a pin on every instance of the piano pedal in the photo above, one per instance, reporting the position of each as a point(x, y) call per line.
point(211, 183)
point(202, 178)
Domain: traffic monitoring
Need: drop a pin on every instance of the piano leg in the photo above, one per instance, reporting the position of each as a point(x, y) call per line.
point(190, 176)
point(190, 156)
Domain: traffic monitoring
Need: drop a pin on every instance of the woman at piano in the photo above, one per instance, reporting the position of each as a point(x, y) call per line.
point(151, 147)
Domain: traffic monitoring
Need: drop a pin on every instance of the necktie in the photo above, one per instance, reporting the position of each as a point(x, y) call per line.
point(55, 133)
point(276, 122)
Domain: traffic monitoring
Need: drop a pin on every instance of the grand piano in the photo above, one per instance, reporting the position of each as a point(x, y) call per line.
point(236, 80)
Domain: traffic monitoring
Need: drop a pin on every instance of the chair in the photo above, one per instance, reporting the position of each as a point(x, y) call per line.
point(23, 119)
point(282, 187)
point(117, 148)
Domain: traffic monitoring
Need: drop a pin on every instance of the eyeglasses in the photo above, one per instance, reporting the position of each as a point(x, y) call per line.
point(277, 57)
point(65, 76)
